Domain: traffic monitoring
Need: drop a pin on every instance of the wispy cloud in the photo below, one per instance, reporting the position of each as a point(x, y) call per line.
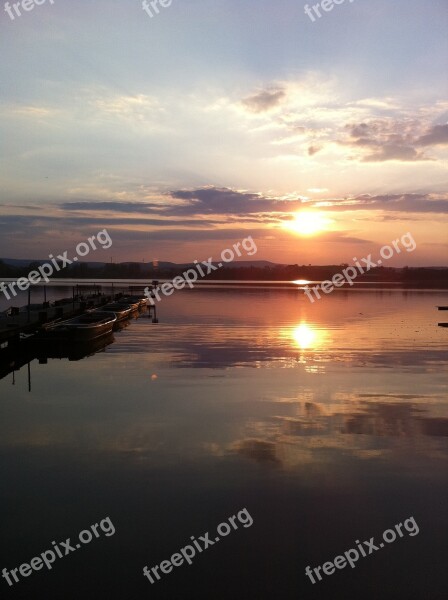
point(264, 100)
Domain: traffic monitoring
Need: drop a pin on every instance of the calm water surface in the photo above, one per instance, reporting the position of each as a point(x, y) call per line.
point(328, 422)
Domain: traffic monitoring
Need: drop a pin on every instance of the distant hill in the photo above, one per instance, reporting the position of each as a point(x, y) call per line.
point(26, 262)
point(162, 265)
point(245, 270)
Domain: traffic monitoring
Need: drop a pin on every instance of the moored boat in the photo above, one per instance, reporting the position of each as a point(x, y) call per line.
point(89, 326)
point(141, 300)
point(127, 302)
point(121, 311)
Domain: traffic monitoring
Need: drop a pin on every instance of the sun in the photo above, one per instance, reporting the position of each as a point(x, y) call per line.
point(308, 223)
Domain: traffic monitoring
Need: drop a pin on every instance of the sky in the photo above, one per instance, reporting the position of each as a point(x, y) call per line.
point(211, 121)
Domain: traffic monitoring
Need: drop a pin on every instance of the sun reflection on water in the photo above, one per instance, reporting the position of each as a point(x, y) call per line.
point(302, 282)
point(304, 336)
point(310, 341)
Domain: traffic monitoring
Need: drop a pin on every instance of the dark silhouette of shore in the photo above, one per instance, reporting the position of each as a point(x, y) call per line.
point(427, 277)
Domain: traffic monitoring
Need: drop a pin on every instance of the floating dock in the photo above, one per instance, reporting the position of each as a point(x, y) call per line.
point(17, 323)
point(20, 328)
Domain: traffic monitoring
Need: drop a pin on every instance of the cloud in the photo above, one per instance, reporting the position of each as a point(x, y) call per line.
point(405, 203)
point(437, 135)
point(208, 200)
point(224, 201)
point(306, 120)
point(394, 152)
point(386, 139)
point(22, 206)
point(121, 207)
point(313, 150)
point(264, 100)
point(392, 139)
point(201, 215)
point(247, 207)
point(360, 131)
point(76, 221)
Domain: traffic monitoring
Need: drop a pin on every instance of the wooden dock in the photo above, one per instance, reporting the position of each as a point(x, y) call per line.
point(19, 344)
point(22, 322)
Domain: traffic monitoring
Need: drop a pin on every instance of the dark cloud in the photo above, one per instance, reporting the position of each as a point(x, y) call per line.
point(360, 131)
point(437, 135)
point(192, 207)
point(196, 208)
point(198, 202)
point(313, 150)
point(122, 207)
point(264, 100)
point(394, 140)
point(394, 152)
point(27, 221)
point(33, 221)
point(224, 201)
point(192, 214)
point(23, 206)
point(363, 141)
point(405, 203)
point(230, 202)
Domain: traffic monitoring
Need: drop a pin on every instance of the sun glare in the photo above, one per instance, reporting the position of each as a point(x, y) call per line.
point(304, 335)
point(308, 223)
point(301, 281)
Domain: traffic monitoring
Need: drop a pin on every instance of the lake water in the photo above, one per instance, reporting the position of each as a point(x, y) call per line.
point(328, 422)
